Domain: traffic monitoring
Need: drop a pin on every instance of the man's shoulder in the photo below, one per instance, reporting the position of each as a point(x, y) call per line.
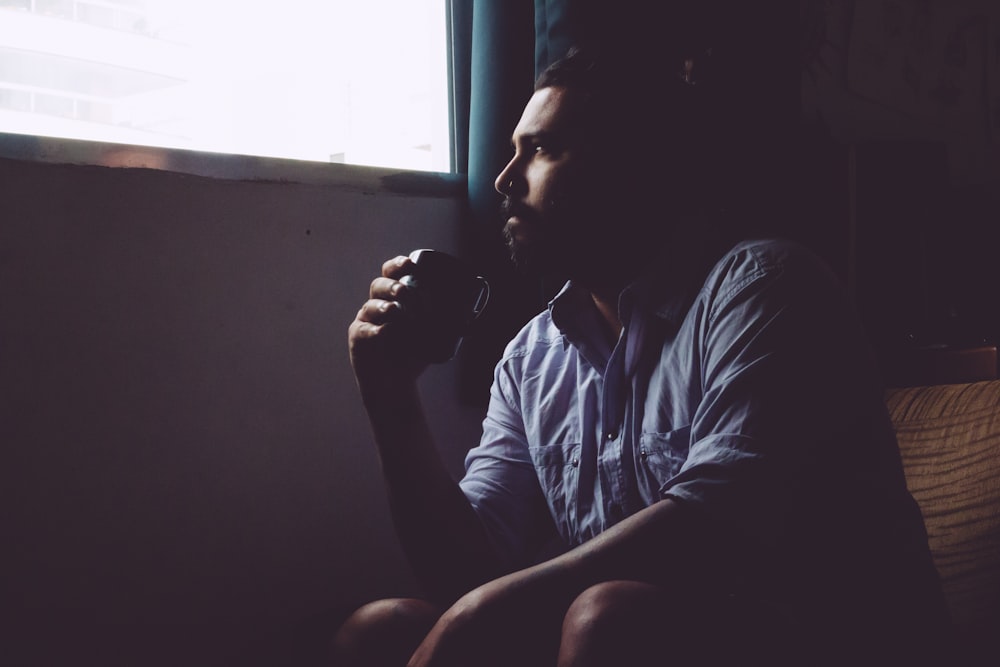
point(539, 335)
point(766, 254)
point(751, 259)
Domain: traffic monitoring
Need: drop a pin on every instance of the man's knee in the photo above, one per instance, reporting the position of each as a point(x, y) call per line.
point(609, 603)
point(634, 623)
point(384, 632)
point(607, 620)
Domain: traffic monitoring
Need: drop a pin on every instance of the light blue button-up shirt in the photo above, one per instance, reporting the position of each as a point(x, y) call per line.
point(742, 385)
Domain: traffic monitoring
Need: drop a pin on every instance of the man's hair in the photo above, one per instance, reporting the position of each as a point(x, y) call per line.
point(574, 70)
point(643, 113)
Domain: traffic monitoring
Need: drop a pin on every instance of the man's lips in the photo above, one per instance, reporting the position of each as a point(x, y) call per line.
point(511, 209)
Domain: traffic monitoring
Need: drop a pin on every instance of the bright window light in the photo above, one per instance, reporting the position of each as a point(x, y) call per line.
point(353, 81)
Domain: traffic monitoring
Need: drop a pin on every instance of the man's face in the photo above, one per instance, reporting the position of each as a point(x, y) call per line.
point(544, 186)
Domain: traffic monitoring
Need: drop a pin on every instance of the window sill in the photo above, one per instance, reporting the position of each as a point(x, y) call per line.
point(231, 167)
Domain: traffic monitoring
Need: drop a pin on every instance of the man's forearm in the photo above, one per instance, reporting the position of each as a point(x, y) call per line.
point(440, 533)
point(667, 543)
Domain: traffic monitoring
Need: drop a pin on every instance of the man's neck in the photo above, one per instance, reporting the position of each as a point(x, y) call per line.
point(606, 302)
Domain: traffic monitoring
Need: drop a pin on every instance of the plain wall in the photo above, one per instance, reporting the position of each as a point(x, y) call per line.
point(186, 473)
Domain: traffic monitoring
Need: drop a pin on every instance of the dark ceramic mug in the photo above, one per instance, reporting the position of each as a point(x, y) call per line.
point(446, 296)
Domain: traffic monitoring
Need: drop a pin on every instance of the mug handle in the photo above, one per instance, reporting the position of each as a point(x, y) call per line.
point(484, 298)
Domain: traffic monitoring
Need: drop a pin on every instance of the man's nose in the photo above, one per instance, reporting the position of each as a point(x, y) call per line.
point(505, 180)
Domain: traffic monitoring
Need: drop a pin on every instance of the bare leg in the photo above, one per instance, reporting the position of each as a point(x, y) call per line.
point(383, 633)
point(636, 624)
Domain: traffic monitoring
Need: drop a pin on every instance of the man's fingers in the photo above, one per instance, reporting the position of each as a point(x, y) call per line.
point(360, 329)
point(386, 289)
point(379, 311)
point(397, 267)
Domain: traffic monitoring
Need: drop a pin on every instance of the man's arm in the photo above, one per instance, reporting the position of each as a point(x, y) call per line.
point(440, 533)
point(654, 545)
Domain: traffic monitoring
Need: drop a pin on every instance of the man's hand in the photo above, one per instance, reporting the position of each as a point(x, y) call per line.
point(381, 355)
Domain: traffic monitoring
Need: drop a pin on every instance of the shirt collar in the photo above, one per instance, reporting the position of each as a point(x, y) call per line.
point(665, 290)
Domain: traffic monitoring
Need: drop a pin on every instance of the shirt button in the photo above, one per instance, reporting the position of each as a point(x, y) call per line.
point(575, 462)
point(643, 454)
point(611, 435)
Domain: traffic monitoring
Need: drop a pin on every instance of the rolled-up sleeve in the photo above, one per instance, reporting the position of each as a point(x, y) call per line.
point(501, 483)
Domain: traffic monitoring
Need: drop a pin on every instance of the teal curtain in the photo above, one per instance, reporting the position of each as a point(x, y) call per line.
point(501, 82)
point(493, 74)
point(559, 24)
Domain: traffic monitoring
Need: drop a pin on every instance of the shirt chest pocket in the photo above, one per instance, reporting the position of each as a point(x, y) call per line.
point(558, 470)
point(661, 456)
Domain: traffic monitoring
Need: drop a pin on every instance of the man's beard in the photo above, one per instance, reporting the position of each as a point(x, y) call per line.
point(520, 254)
point(535, 257)
point(595, 247)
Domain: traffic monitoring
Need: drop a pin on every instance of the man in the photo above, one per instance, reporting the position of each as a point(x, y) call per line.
point(698, 429)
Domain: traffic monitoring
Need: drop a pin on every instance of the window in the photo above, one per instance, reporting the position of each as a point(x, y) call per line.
point(353, 81)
